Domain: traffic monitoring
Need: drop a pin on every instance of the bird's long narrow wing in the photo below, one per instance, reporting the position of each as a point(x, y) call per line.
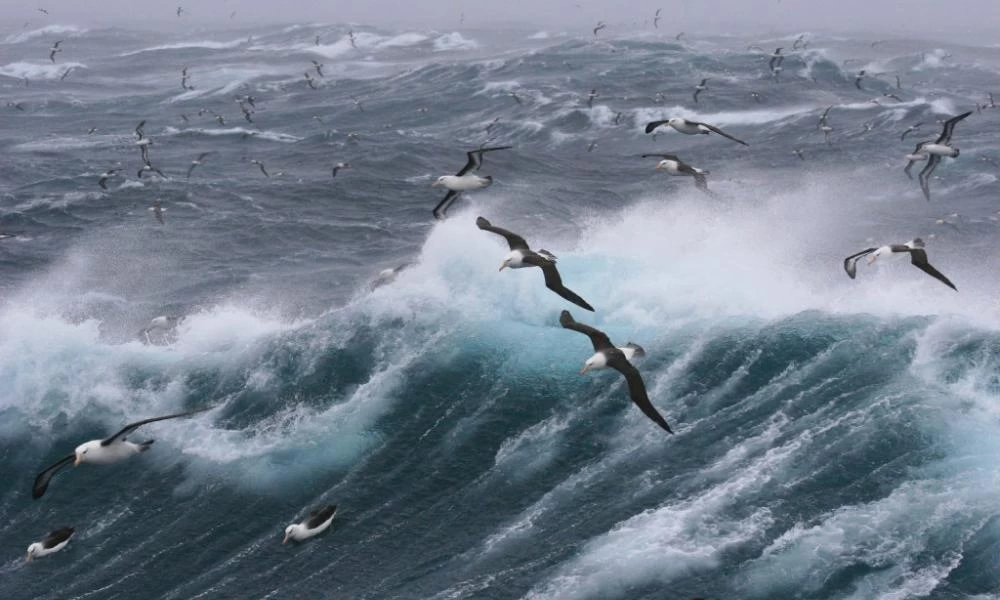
point(133, 426)
point(925, 175)
point(918, 258)
point(441, 210)
point(42, 479)
point(723, 133)
point(850, 263)
point(515, 241)
point(598, 338)
point(554, 282)
point(637, 390)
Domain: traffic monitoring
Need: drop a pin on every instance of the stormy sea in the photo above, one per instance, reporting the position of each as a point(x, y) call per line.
point(834, 438)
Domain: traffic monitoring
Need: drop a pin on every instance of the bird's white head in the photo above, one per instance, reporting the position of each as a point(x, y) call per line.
point(82, 449)
point(597, 361)
point(32, 550)
point(288, 533)
point(663, 164)
point(675, 121)
point(441, 181)
point(512, 260)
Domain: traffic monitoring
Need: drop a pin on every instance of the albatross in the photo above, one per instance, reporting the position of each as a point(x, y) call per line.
point(463, 180)
point(606, 355)
point(690, 128)
point(103, 452)
point(521, 256)
point(319, 521)
point(701, 87)
point(918, 258)
point(50, 544)
point(934, 151)
point(675, 166)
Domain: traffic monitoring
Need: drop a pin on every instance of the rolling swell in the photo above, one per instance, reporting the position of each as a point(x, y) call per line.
point(835, 439)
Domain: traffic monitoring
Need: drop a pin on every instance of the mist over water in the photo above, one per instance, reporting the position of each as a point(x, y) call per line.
point(835, 438)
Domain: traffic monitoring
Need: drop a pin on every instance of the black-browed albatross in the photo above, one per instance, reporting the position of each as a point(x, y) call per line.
point(690, 128)
point(675, 166)
point(319, 521)
point(463, 180)
point(918, 258)
point(102, 452)
point(50, 544)
point(934, 151)
point(607, 354)
point(521, 256)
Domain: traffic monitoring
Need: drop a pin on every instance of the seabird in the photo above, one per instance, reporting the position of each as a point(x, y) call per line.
point(139, 133)
point(591, 146)
point(824, 126)
point(103, 182)
point(917, 155)
point(309, 80)
point(857, 80)
point(66, 73)
point(261, 165)
point(799, 153)
point(339, 166)
point(42, 10)
point(492, 124)
point(196, 162)
point(319, 521)
point(618, 118)
point(350, 35)
point(521, 256)
point(184, 79)
point(600, 26)
point(92, 131)
point(319, 68)
point(679, 36)
point(6, 235)
point(102, 452)
point(899, 85)
point(50, 544)
point(179, 11)
point(164, 323)
point(690, 128)
point(147, 168)
point(515, 97)
point(358, 104)
point(934, 151)
point(221, 120)
point(675, 166)
point(619, 359)
point(701, 87)
point(908, 130)
point(918, 258)
point(656, 19)
point(16, 105)
point(144, 145)
point(590, 98)
point(755, 96)
point(798, 42)
point(54, 49)
point(893, 96)
point(157, 211)
point(463, 180)
point(387, 276)
point(776, 59)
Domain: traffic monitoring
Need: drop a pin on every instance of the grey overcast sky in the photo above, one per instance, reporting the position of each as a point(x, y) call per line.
point(934, 18)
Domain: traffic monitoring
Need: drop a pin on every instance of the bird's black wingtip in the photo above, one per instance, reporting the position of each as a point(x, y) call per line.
point(482, 223)
point(565, 318)
point(651, 126)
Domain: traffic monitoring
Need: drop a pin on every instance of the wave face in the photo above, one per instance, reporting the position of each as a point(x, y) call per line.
point(835, 438)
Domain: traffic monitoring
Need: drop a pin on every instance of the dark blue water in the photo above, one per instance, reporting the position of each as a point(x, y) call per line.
point(835, 438)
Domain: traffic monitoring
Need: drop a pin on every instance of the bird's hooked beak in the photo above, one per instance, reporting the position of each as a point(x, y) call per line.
point(78, 460)
point(285, 541)
point(872, 258)
point(659, 167)
point(28, 559)
point(437, 183)
point(584, 370)
point(505, 264)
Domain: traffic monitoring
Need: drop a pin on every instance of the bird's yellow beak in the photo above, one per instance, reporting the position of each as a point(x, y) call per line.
point(29, 558)
point(436, 184)
point(285, 541)
point(871, 259)
point(505, 264)
point(78, 460)
point(584, 370)
point(659, 167)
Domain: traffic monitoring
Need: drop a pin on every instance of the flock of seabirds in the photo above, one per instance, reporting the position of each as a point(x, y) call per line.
point(118, 447)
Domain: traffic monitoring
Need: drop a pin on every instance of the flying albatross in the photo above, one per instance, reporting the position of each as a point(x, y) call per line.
point(675, 166)
point(102, 452)
point(463, 180)
point(521, 256)
point(690, 128)
point(50, 544)
point(619, 359)
point(319, 521)
point(934, 151)
point(918, 258)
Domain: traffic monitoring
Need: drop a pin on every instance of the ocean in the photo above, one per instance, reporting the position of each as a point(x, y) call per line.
point(835, 438)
